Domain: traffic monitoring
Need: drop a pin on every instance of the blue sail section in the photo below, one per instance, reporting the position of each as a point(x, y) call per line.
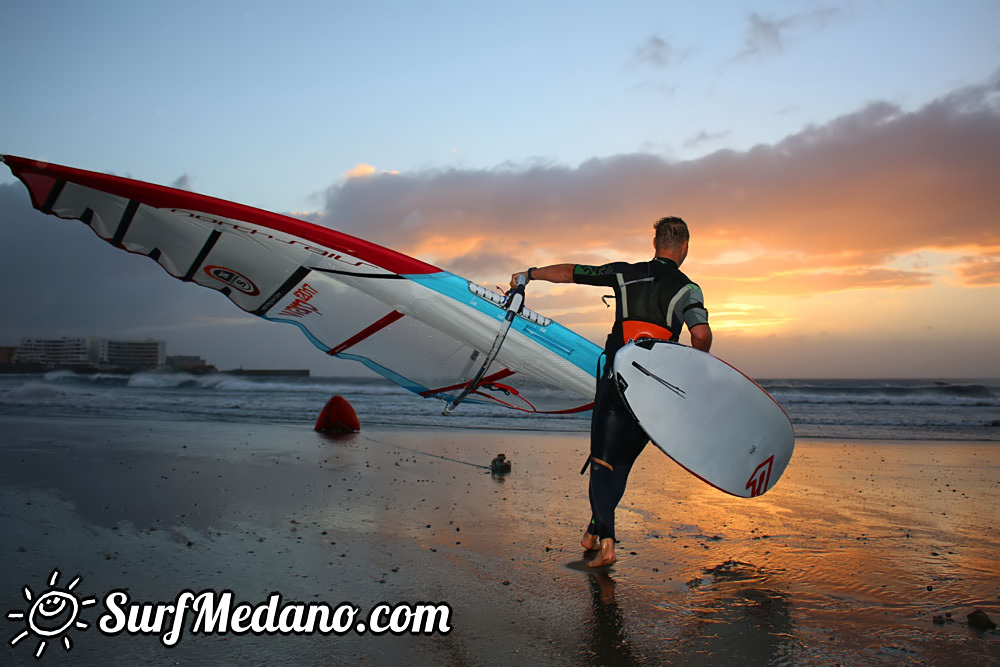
point(576, 349)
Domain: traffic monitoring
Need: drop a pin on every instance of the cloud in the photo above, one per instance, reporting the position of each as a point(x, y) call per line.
point(704, 137)
point(980, 271)
point(848, 195)
point(659, 55)
point(182, 182)
point(768, 36)
point(655, 52)
point(879, 199)
point(360, 171)
point(802, 282)
point(764, 36)
point(363, 170)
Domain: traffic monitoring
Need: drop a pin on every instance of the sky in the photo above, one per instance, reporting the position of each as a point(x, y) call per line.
point(838, 163)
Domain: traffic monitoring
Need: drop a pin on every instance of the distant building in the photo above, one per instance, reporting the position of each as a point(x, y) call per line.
point(189, 364)
point(62, 352)
point(131, 353)
point(92, 352)
point(7, 355)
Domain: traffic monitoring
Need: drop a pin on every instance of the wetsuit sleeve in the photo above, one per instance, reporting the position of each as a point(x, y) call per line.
point(605, 275)
point(691, 307)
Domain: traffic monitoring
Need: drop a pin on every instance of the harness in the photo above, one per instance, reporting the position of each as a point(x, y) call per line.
point(642, 311)
point(637, 330)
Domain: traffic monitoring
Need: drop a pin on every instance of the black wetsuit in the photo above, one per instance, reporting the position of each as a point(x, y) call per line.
point(654, 292)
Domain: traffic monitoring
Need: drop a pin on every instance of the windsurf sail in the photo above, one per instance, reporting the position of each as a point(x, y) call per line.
point(424, 328)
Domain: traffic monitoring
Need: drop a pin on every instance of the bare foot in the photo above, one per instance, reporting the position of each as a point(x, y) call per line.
point(606, 556)
point(589, 541)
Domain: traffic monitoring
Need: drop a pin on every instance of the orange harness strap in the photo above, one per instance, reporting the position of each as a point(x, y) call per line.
point(636, 329)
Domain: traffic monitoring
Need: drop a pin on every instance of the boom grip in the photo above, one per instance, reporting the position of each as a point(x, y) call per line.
point(515, 302)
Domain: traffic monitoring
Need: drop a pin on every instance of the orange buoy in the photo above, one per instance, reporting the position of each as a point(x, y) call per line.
point(338, 416)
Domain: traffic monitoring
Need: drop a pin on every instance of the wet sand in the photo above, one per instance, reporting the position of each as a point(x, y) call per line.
point(847, 560)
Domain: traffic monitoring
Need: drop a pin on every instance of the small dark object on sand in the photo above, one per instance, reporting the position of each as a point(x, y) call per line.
point(500, 465)
point(979, 619)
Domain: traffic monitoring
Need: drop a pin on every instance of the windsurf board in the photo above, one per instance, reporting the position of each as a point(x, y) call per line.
point(706, 415)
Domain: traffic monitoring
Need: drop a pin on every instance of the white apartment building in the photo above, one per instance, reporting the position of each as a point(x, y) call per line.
point(92, 352)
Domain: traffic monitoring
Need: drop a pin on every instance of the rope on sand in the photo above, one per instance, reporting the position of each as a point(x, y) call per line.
point(423, 453)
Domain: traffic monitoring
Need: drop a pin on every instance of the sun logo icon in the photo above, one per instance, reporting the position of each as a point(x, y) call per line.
point(51, 614)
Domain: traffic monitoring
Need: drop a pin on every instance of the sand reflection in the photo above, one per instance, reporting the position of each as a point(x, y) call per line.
point(606, 639)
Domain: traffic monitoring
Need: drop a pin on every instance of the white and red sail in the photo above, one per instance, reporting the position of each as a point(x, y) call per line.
point(407, 320)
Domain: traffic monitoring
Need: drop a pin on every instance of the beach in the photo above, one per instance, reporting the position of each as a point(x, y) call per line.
point(866, 552)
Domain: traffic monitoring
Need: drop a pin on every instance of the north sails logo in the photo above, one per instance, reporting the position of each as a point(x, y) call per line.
point(233, 279)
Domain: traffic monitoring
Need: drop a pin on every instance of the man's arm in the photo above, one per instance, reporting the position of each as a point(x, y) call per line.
point(701, 336)
point(555, 273)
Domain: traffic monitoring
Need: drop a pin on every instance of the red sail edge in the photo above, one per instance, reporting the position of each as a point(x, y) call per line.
point(40, 177)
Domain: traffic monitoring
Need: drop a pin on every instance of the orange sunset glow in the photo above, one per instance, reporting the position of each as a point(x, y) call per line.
point(869, 245)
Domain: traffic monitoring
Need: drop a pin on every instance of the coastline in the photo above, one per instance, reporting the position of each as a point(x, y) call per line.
point(848, 559)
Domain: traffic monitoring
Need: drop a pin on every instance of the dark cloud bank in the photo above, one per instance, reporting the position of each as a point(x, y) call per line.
point(875, 183)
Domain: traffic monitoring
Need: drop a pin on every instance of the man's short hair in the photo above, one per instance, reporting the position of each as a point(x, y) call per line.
point(671, 232)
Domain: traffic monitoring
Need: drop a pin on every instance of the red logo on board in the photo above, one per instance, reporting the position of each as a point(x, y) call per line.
point(757, 484)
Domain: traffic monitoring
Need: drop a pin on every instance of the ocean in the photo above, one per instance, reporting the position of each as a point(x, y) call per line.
point(963, 410)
